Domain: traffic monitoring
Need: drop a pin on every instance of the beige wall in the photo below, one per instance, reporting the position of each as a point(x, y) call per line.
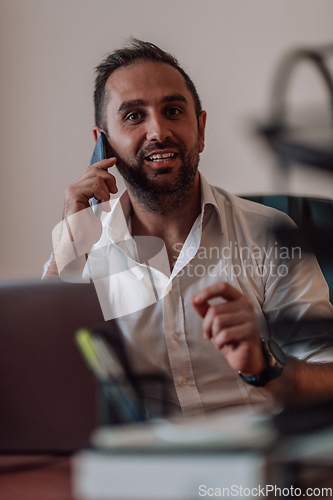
point(48, 51)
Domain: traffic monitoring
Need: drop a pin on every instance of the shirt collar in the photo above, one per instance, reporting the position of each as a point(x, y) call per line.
point(208, 198)
point(118, 221)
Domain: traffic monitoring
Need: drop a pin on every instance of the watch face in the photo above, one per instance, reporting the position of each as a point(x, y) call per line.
point(277, 352)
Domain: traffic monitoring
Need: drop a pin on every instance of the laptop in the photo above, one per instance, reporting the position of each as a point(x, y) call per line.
point(49, 399)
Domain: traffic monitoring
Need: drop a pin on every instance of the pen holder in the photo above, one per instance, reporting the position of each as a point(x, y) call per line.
point(136, 399)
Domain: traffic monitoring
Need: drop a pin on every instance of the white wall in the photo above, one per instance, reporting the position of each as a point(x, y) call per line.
point(48, 51)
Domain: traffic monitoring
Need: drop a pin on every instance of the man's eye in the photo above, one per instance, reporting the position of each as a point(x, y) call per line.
point(173, 111)
point(134, 116)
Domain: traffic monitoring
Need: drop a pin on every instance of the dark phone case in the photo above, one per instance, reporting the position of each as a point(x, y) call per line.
point(99, 151)
point(98, 155)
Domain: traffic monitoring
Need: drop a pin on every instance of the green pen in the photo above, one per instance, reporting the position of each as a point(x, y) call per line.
point(110, 374)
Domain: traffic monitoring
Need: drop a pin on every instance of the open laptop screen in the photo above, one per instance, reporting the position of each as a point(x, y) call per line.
point(48, 397)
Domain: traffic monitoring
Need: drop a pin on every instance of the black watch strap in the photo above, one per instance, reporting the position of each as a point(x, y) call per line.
point(276, 362)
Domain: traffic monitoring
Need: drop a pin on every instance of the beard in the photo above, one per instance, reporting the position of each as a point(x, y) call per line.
point(162, 192)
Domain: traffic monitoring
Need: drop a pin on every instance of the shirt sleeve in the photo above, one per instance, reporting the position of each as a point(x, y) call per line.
point(296, 304)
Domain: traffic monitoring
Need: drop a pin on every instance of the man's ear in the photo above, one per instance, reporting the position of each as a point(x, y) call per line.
point(108, 150)
point(96, 131)
point(202, 126)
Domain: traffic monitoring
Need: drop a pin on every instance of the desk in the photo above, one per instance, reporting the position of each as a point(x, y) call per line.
point(49, 478)
point(35, 477)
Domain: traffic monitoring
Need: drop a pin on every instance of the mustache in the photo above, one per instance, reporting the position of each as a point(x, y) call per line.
point(158, 145)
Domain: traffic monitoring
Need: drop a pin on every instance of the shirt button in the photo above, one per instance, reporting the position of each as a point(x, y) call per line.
point(183, 381)
point(169, 288)
point(175, 336)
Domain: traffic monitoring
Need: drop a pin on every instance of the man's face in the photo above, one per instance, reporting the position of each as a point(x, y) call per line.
point(153, 128)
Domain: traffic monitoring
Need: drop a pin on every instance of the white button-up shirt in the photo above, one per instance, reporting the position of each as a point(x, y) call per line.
point(232, 240)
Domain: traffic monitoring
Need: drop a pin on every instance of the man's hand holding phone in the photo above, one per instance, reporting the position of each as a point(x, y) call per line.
point(96, 182)
point(80, 229)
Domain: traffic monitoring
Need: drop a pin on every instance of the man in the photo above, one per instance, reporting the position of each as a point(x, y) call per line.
point(212, 355)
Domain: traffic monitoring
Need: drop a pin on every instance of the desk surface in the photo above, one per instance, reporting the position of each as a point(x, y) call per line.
point(45, 477)
point(37, 477)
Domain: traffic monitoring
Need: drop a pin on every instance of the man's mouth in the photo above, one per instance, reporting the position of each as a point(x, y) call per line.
point(161, 157)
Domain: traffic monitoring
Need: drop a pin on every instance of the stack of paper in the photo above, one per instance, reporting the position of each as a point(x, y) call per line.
point(220, 456)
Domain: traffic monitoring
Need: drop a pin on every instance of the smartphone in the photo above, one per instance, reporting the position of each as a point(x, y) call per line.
point(98, 155)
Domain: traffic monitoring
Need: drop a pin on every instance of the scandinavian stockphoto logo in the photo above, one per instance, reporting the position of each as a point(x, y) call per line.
point(237, 261)
point(132, 273)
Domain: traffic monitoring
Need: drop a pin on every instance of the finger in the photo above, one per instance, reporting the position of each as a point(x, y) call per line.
point(97, 172)
point(241, 348)
point(109, 180)
point(208, 322)
point(223, 321)
point(99, 166)
point(100, 189)
point(221, 289)
point(105, 163)
point(201, 309)
point(216, 319)
point(85, 189)
point(235, 306)
point(232, 336)
point(111, 183)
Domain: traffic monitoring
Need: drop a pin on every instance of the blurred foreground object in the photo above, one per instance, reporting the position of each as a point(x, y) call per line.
point(233, 452)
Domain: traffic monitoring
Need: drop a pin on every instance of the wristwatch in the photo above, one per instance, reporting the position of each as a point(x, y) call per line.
point(276, 362)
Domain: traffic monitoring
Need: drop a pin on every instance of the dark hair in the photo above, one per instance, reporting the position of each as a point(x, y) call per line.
point(135, 50)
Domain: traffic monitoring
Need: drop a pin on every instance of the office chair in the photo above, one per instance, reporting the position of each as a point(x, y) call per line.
point(314, 217)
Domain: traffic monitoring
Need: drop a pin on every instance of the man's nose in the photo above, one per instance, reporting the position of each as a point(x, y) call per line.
point(158, 128)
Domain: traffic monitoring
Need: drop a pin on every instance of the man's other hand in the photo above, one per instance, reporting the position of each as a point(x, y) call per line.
point(232, 327)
